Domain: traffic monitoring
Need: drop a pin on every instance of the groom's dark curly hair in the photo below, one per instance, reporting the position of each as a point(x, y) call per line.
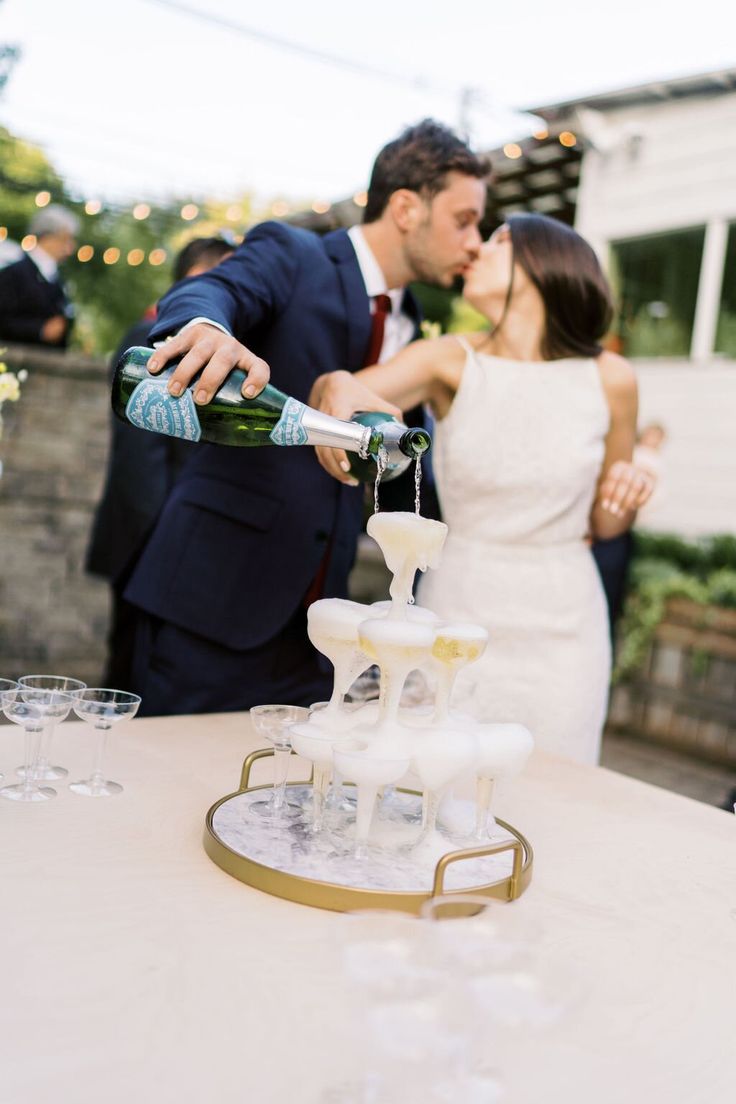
point(420, 159)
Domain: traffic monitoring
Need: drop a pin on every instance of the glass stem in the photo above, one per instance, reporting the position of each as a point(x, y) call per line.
point(483, 800)
point(97, 777)
point(430, 808)
point(363, 816)
point(43, 752)
point(390, 696)
point(30, 754)
point(281, 758)
point(320, 782)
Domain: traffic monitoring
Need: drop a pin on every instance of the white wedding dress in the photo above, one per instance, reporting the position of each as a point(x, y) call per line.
point(516, 461)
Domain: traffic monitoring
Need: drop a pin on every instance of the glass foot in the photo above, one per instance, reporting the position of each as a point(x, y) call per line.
point(20, 793)
point(92, 788)
point(46, 773)
point(267, 810)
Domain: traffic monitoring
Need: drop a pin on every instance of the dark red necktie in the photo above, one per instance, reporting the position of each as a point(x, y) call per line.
point(381, 311)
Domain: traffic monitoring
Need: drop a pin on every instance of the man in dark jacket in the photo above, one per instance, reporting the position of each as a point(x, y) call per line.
point(34, 306)
point(248, 537)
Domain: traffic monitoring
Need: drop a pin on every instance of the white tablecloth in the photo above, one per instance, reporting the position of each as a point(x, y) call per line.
point(132, 968)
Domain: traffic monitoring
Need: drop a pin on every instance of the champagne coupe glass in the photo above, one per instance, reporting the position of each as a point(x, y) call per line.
point(332, 626)
point(409, 543)
point(398, 647)
point(439, 757)
point(316, 745)
point(272, 722)
point(337, 798)
point(455, 646)
point(33, 709)
point(7, 684)
point(369, 766)
point(503, 750)
point(43, 769)
point(102, 708)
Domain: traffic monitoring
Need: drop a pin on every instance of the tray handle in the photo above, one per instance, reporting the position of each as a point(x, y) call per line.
point(248, 763)
point(250, 760)
point(514, 845)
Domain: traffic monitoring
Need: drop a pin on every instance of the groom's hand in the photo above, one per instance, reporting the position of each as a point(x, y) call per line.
point(215, 353)
point(342, 395)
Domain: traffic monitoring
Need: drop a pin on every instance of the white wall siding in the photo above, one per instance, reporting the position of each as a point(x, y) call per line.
point(697, 406)
point(681, 173)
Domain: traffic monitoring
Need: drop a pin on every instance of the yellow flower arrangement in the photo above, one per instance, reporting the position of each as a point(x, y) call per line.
point(9, 386)
point(430, 330)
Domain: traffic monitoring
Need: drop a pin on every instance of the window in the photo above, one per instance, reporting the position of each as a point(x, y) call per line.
point(655, 282)
point(726, 331)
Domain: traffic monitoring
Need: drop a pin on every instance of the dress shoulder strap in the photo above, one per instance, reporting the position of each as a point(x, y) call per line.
point(464, 344)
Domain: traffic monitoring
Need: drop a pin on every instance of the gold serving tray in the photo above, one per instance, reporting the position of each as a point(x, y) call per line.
point(342, 898)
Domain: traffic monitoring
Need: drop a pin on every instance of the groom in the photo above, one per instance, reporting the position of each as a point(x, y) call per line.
point(249, 537)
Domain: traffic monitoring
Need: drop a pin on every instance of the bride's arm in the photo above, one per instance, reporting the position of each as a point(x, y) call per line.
point(419, 374)
point(622, 487)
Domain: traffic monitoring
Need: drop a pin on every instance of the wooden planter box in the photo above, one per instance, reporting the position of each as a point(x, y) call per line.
point(685, 695)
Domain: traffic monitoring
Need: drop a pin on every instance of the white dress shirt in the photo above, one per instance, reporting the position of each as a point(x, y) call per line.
point(45, 264)
point(399, 327)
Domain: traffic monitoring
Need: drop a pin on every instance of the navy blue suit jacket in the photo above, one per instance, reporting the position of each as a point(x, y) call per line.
point(27, 300)
point(244, 530)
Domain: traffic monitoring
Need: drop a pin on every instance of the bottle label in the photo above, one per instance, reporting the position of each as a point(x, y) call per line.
point(289, 429)
point(152, 407)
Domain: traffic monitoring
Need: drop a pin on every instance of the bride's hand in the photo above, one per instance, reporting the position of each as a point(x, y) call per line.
point(625, 488)
point(342, 395)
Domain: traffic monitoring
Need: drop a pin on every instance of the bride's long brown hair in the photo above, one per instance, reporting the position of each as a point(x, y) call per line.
point(566, 273)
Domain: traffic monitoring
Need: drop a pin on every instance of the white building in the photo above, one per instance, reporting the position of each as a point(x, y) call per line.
point(648, 176)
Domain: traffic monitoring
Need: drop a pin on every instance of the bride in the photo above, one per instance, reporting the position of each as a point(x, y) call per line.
point(532, 458)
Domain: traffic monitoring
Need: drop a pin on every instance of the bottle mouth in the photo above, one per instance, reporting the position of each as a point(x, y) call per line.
point(415, 442)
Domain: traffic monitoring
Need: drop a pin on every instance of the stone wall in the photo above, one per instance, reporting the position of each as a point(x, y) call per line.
point(53, 616)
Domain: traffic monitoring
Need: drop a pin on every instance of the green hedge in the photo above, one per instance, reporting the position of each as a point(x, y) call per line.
point(666, 566)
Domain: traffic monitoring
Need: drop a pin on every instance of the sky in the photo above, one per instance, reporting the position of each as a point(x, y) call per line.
point(140, 99)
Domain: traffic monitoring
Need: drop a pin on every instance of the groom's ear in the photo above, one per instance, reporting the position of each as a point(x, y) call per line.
point(406, 209)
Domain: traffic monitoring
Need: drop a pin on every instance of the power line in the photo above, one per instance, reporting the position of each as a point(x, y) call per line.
point(276, 41)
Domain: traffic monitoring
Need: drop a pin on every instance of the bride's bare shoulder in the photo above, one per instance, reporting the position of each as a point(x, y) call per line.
point(617, 374)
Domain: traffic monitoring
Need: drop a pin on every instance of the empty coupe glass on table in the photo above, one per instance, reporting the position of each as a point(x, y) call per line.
point(102, 708)
point(33, 709)
point(273, 722)
point(7, 684)
point(43, 769)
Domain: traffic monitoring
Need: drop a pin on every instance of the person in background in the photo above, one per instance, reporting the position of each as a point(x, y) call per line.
point(613, 557)
point(249, 537)
point(141, 470)
point(34, 306)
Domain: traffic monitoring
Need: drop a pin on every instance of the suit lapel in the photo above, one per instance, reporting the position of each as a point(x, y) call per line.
point(357, 309)
point(410, 307)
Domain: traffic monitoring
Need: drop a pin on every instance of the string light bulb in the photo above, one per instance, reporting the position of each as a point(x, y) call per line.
point(43, 198)
point(189, 211)
point(111, 256)
point(93, 206)
point(85, 253)
point(567, 139)
point(28, 242)
point(512, 150)
point(360, 199)
point(157, 257)
point(141, 211)
point(321, 207)
point(279, 208)
point(136, 257)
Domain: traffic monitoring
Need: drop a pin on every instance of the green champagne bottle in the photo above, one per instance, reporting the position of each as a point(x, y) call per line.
point(271, 418)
